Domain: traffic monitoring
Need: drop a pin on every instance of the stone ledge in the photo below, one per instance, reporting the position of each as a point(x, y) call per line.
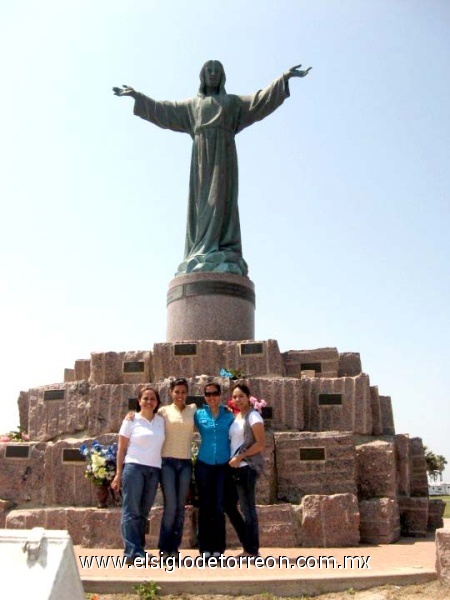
point(95, 528)
point(280, 524)
point(100, 528)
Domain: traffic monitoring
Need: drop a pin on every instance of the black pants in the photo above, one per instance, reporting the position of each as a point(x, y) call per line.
point(241, 485)
point(211, 517)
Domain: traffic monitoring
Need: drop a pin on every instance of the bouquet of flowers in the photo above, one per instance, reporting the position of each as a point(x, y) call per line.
point(100, 462)
point(15, 436)
point(194, 452)
point(257, 404)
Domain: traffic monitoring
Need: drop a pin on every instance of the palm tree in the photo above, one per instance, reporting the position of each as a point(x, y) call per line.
point(435, 464)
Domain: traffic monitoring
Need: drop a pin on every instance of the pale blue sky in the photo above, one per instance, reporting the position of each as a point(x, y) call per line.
point(344, 191)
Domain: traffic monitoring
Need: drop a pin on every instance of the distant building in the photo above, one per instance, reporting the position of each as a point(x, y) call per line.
point(439, 489)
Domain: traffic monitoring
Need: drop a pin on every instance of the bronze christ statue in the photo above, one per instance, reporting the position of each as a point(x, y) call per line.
point(212, 119)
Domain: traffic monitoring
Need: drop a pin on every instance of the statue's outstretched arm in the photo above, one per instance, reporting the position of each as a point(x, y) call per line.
point(296, 72)
point(125, 90)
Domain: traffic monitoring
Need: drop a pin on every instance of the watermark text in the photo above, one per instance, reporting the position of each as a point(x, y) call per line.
point(170, 563)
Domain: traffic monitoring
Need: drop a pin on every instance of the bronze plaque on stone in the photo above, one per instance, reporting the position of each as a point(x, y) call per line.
point(14, 451)
point(253, 348)
point(207, 288)
point(312, 453)
point(330, 399)
point(54, 394)
point(134, 366)
point(220, 288)
point(267, 412)
point(72, 455)
point(199, 401)
point(317, 367)
point(132, 403)
point(185, 349)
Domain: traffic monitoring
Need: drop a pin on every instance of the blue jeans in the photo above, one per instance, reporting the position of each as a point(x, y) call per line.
point(175, 480)
point(245, 479)
point(211, 518)
point(139, 485)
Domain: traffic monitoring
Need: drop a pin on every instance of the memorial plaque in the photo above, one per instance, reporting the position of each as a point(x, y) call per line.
point(267, 412)
point(253, 348)
point(312, 453)
point(317, 367)
point(220, 288)
point(134, 366)
point(207, 288)
point(330, 399)
point(132, 403)
point(17, 451)
point(199, 401)
point(185, 349)
point(54, 394)
point(72, 455)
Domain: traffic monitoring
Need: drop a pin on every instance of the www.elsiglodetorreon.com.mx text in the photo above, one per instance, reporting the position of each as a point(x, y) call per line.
point(171, 563)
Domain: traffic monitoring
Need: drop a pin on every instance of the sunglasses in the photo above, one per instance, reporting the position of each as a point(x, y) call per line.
point(209, 394)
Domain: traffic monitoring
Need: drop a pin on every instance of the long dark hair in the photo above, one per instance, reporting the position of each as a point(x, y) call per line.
point(243, 387)
point(213, 383)
point(178, 381)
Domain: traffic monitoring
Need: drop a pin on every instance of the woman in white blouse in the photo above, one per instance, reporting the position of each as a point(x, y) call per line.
point(138, 469)
point(247, 441)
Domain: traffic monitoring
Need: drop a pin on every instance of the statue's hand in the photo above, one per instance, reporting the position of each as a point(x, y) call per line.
point(125, 90)
point(295, 72)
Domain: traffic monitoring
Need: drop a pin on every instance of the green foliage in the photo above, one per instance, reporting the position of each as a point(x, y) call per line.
point(147, 590)
point(435, 464)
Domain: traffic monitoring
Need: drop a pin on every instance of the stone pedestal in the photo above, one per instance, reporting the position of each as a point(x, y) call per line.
point(210, 306)
point(39, 563)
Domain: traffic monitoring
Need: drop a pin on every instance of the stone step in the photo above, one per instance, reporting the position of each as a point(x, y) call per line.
point(280, 525)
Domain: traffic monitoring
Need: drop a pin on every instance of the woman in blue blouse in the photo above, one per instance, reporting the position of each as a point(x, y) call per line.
point(213, 423)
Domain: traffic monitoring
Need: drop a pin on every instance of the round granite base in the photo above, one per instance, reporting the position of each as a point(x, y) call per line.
point(210, 306)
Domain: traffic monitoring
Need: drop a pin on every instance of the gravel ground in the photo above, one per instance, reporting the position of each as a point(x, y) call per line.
point(429, 591)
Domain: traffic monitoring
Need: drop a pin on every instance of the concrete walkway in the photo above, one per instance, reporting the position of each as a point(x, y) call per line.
point(406, 562)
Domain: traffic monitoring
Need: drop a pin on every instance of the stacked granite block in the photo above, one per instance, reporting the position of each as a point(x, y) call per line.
point(414, 507)
point(330, 521)
point(377, 492)
point(331, 455)
point(314, 463)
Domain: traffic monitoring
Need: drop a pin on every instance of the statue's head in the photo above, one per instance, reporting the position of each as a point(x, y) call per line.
point(212, 75)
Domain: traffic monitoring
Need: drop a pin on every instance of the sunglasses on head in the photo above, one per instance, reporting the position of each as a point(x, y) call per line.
point(209, 394)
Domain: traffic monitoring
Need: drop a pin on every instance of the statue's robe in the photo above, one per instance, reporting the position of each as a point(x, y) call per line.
point(213, 234)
